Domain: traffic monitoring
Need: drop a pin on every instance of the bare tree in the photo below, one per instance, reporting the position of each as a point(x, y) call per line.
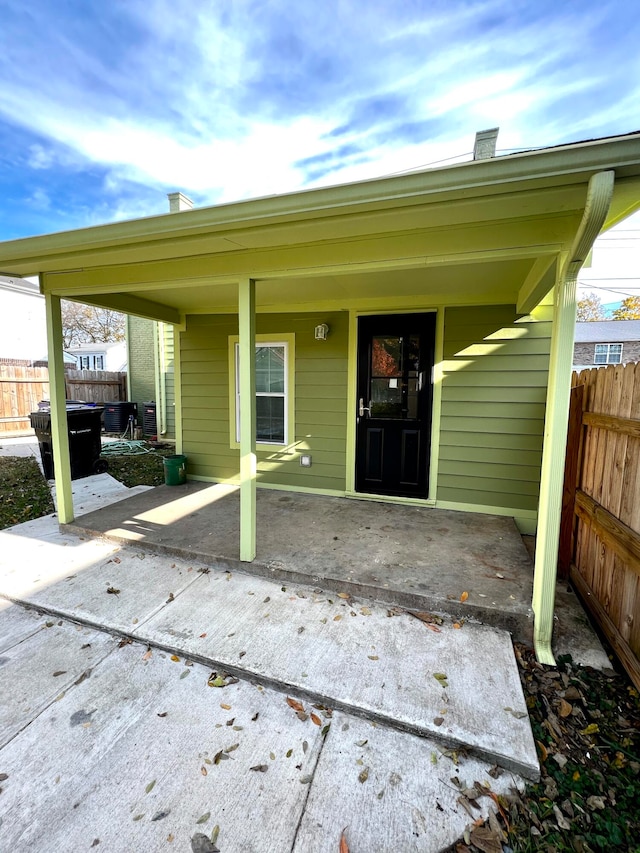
point(628, 310)
point(85, 324)
point(589, 309)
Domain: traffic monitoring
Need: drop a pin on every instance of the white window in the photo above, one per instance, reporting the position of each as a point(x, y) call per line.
point(91, 361)
point(274, 404)
point(84, 362)
point(98, 361)
point(608, 354)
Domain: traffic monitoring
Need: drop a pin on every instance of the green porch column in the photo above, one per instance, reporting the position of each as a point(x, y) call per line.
point(599, 193)
point(552, 475)
point(247, 386)
point(59, 434)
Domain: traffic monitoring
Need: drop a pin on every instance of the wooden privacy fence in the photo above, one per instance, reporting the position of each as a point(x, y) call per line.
point(22, 388)
point(600, 527)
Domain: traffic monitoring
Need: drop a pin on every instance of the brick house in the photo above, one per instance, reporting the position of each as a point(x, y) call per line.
point(602, 342)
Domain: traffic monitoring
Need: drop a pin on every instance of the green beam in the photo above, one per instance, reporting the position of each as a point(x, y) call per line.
point(247, 385)
point(127, 303)
point(59, 433)
point(538, 283)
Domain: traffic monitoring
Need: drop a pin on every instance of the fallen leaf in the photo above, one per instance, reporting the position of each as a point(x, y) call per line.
point(542, 751)
point(486, 839)
point(150, 787)
point(204, 818)
point(344, 595)
point(260, 768)
point(305, 780)
point(175, 658)
point(185, 673)
point(365, 611)
point(289, 753)
point(272, 756)
point(203, 635)
point(147, 655)
point(171, 598)
point(438, 721)
point(591, 729)
point(316, 719)
point(337, 618)
point(160, 815)
point(519, 715)
point(363, 775)
point(163, 714)
point(125, 641)
point(464, 596)
point(373, 657)
point(203, 770)
point(561, 820)
point(565, 708)
point(113, 591)
point(362, 742)
point(302, 716)
point(232, 748)
point(441, 677)
point(225, 706)
point(595, 802)
point(215, 832)
point(293, 703)
point(201, 844)
point(115, 560)
point(344, 847)
point(428, 618)
point(59, 672)
point(457, 625)
point(139, 817)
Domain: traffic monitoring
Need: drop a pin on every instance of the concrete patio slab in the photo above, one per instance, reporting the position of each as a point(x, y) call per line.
point(387, 791)
point(356, 657)
point(415, 557)
point(42, 668)
point(16, 624)
point(143, 755)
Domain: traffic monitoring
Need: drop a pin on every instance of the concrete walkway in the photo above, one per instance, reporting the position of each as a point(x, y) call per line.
point(345, 715)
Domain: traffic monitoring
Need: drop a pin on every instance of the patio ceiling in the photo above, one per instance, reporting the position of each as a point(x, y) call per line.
point(475, 232)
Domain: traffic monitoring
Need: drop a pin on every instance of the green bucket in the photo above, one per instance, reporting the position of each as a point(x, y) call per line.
point(175, 469)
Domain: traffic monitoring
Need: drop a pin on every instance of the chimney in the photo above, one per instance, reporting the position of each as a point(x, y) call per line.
point(485, 144)
point(178, 202)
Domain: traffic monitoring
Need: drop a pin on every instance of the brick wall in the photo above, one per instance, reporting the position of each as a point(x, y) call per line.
point(140, 334)
point(584, 354)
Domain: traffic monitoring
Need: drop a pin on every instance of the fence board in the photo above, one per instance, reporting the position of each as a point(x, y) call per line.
point(22, 388)
point(605, 555)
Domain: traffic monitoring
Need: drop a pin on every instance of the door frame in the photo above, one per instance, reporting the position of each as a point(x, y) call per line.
point(436, 404)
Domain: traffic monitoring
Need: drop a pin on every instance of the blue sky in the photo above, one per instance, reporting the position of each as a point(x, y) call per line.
point(107, 106)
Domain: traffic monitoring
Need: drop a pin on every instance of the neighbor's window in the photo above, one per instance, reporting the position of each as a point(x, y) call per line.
point(608, 354)
point(271, 392)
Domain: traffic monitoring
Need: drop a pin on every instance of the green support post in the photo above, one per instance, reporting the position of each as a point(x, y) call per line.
point(59, 430)
point(247, 385)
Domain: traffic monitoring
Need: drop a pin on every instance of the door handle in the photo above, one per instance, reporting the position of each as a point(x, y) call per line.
point(362, 408)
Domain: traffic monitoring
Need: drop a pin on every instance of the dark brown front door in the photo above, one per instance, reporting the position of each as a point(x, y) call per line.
point(393, 409)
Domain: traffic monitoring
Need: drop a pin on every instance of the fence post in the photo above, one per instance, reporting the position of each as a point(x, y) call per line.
point(571, 470)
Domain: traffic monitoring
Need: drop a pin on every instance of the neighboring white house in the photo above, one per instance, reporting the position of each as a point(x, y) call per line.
point(23, 329)
point(112, 356)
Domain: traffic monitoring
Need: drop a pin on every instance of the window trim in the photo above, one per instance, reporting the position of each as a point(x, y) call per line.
point(607, 353)
point(288, 342)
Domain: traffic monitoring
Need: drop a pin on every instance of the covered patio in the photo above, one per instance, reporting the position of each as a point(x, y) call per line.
point(468, 565)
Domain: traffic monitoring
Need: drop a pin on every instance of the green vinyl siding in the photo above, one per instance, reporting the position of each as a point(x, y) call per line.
point(494, 384)
point(320, 375)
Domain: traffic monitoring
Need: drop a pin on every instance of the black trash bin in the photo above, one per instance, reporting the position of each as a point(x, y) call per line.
point(83, 427)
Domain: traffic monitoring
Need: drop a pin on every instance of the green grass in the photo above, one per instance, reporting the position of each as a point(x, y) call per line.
point(24, 493)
